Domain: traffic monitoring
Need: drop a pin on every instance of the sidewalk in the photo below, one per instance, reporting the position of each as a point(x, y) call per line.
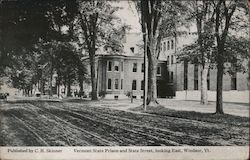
point(229, 108)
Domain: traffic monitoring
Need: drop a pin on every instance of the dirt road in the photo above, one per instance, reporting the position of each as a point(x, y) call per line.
point(79, 124)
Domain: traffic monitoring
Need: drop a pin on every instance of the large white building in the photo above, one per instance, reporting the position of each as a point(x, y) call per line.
point(187, 77)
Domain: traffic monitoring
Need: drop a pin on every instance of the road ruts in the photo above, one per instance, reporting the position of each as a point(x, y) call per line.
point(151, 135)
point(76, 136)
point(116, 135)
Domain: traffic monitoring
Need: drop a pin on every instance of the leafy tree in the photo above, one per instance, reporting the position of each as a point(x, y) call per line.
point(69, 66)
point(151, 17)
point(225, 16)
point(158, 19)
point(217, 24)
point(201, 13)
point(23, 76)
point(25, 22)
point(96, 19)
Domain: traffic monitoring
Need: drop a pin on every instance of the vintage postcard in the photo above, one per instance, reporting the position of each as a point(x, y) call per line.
point(124, 80)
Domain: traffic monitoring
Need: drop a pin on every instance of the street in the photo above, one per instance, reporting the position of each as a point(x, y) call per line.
point(83, 123)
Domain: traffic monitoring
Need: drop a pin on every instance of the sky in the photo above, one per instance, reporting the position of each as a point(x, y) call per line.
point(128, 14)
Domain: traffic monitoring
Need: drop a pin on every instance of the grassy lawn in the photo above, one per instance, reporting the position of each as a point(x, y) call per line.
point(198, 116)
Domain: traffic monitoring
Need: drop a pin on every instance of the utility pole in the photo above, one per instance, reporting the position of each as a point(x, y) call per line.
point(145, 93)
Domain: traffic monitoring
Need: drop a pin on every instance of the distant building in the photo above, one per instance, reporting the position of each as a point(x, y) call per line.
point(5, 87)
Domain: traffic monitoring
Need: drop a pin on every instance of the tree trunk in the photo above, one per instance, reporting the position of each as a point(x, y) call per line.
point(50, 83)
point(43, 86)
point(80, 80)
point(51, 74)
point(219, 100)
point(81, 86)
point(204, 73)
point(93, 78)
point(68, 89)
point(58, 89)
point(151, 19)
point(152, 86)
point(220, 68)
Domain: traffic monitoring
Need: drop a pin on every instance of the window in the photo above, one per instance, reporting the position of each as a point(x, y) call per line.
point(158, 70)
point(134, 67)
point(172, 59)
point(142, 85)
point(121, 83)
point(185, 75)
point(109, 83)
point(116, 83)
point(116, 64)
point(168, 60)
point(109, 66)
point(234, 81)
point(122, 66)
point(234, 75)
point(164, 46)
point(168, 45)
point(132, 49)
point(172, 44)
point(170, 77)
point(196, 81)
point(208, 80)
point(142, 67)
point(134, 85)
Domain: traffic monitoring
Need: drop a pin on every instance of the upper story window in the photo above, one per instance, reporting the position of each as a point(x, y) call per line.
point(158, 71)
point(168, 60)
point(134, 67)
point(172, 44)
point(164, 46)
point(116, 64)
point(168, 45)
point(109, 66)
point(142, 67)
